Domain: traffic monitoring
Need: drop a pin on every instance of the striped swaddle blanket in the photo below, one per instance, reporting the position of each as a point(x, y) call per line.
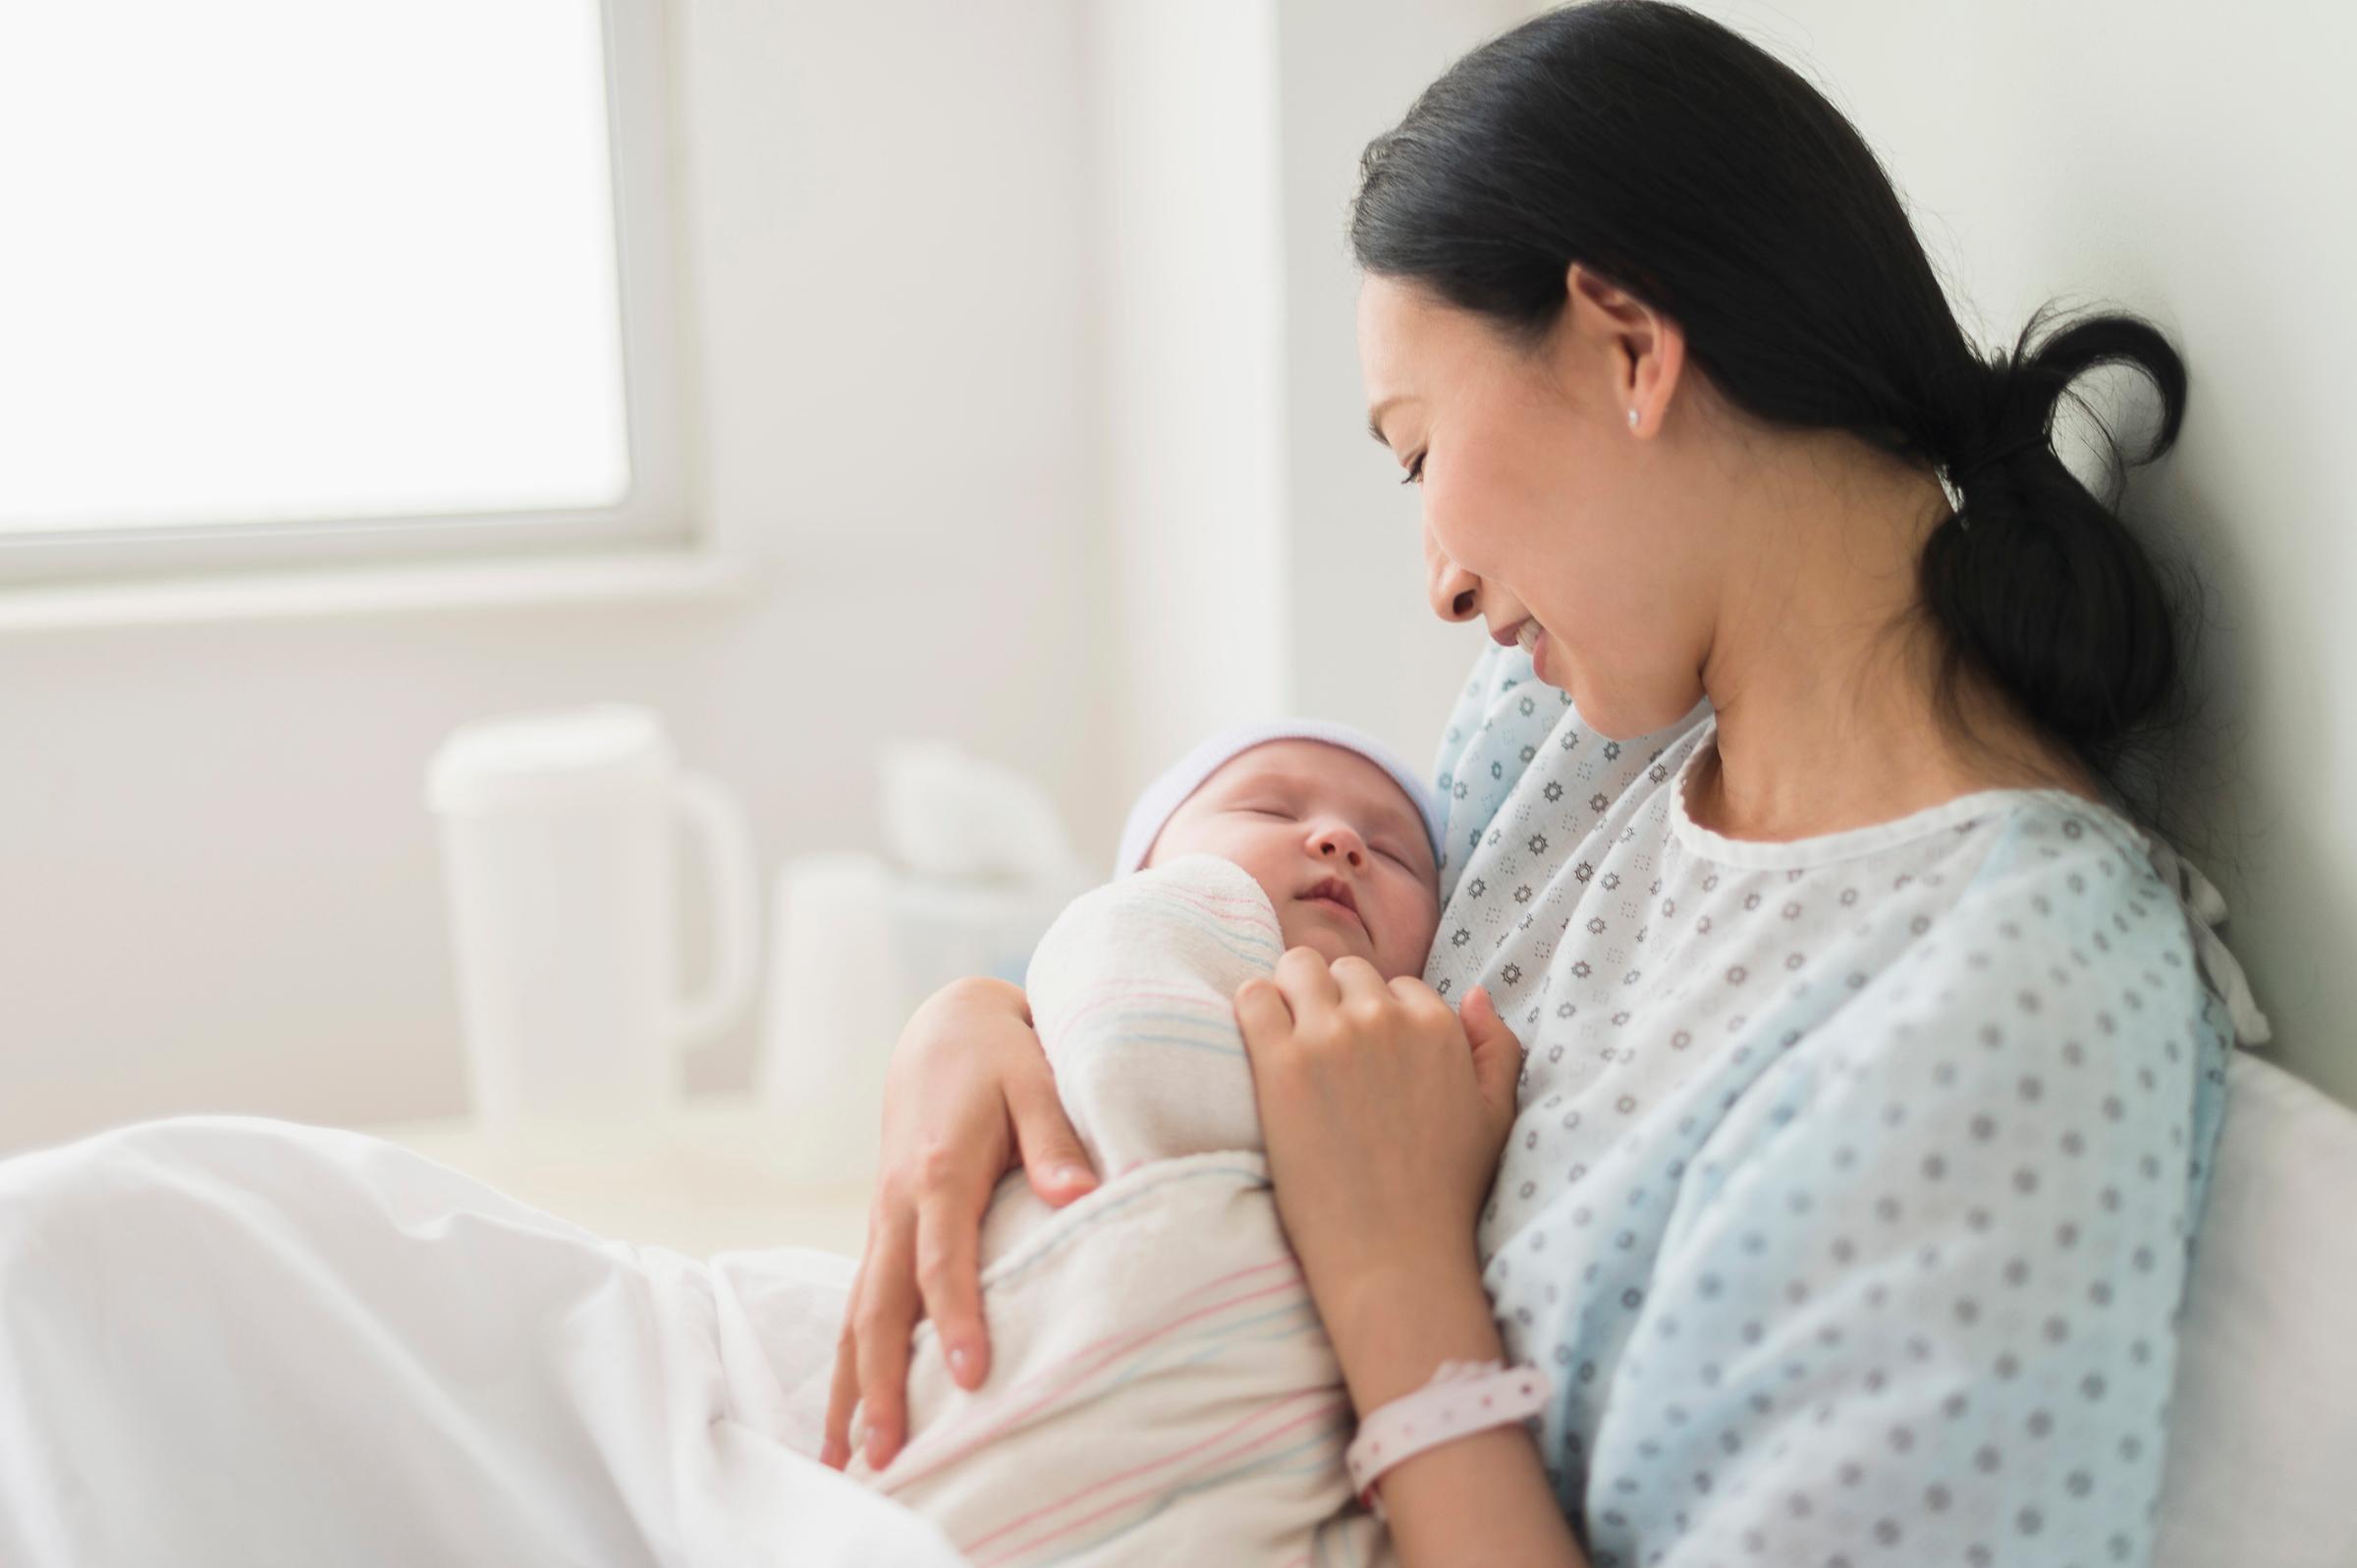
point(1160, 1388)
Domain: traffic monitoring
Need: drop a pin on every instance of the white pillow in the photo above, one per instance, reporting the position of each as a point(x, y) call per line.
point(2262, 1464)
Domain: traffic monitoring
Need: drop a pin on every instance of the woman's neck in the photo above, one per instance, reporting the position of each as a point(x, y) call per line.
point(1824, 671)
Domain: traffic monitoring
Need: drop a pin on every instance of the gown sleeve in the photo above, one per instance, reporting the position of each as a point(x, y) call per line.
point(1917, 1301)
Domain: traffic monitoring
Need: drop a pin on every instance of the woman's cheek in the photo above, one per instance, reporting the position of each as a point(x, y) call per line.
point(1442, 524)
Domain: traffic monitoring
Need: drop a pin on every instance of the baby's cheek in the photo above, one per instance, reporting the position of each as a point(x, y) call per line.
point(1415, 946)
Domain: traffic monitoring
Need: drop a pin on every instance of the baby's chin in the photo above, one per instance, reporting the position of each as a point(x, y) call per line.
point(1305, 928)
point(1308, 928)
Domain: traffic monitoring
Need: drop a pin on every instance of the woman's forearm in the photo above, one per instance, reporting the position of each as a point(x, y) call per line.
point(1482, 1498)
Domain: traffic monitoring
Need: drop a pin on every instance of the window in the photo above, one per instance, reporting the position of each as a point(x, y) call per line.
point(304, 282)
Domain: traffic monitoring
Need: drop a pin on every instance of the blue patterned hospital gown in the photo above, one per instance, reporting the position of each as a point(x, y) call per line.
point(1855, 1179)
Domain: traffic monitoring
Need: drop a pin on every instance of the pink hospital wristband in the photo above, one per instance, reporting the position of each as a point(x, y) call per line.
point(1462, 1398)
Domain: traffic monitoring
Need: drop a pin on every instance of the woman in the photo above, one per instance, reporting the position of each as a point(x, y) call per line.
point(1873, 1060)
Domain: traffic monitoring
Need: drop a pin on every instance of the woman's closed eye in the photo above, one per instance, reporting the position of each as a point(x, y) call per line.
point(1415, 470)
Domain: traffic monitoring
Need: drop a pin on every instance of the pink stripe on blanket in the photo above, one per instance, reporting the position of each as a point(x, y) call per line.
point(1094, 998)
point(1326, 1408)
point(1266, 1412)
point(1197, 896)
point(1089, 1360)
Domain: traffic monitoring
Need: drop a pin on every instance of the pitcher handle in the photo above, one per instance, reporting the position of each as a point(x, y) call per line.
point(728, 838)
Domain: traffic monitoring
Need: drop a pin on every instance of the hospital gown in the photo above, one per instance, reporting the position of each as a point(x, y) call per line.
point(1851, 1196)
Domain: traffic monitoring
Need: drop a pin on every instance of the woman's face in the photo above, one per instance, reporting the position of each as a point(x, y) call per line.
point(1540, 502)
point(1332, 841)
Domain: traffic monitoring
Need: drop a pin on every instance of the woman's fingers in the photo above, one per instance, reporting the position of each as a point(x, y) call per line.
point(1307, 980)
point(1359, 984)
point(844, 1397)
point(1312, 995)
point(1497, 1053)
point(1053, 1154)
point(949, 1270)
point(1264, 1018)
point(884, 1319)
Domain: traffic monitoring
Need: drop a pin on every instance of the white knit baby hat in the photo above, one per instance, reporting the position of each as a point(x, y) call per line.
point(1181, 779)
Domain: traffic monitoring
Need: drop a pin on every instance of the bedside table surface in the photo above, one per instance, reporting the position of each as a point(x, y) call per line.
point(713, 1174)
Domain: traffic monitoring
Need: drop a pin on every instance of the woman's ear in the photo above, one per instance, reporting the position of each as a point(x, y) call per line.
point(1642, 350)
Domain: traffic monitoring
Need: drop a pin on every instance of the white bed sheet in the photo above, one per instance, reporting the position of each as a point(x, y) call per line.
point(234, 1340)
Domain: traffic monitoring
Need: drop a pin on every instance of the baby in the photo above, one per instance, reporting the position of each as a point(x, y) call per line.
point(1160, 1388)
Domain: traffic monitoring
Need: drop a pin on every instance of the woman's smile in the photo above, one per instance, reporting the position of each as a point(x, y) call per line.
point(1533, 639)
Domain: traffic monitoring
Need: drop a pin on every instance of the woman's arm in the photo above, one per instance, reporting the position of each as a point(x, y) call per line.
point(1384, 1113)
point(968, 1093)
point(1481, 1498)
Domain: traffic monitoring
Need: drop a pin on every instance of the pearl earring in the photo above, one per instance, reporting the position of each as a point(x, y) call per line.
point(1632, 418)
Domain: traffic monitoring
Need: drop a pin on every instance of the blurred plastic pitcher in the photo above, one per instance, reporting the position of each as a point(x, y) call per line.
point(558, 832)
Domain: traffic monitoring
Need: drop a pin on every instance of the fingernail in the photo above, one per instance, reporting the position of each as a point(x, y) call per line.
point(834, 1455)
point(875, 1450)
point(1074, 1176)
point(961, 1363)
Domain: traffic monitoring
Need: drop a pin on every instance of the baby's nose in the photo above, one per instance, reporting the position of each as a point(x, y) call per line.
point(1341, 841)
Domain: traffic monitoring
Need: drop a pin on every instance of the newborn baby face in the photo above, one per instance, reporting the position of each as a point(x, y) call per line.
point(1337, 848)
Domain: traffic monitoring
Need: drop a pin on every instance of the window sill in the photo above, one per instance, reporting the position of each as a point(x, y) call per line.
point(634, 577)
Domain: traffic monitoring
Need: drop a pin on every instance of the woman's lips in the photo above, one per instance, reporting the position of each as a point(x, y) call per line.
point(1534, 642)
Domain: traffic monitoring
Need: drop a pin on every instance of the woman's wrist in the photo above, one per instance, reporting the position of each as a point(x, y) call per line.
point(1393, 1330)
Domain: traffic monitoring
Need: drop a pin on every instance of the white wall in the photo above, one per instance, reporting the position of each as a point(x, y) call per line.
point(1190, 297)
point(966, 284)
point(1368, 649)
point(2191, 165)
point(1266, 560)
point(217, 881)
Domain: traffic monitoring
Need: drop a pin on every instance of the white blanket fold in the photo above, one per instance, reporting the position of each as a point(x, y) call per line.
point(1160, 1388)
point(235, 1342)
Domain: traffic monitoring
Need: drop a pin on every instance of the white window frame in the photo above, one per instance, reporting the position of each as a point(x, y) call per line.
point(652, 515)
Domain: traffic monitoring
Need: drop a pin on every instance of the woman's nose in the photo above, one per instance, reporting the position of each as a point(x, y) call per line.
point(1455, 592)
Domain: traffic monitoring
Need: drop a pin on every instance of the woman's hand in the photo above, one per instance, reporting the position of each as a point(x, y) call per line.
point(1385, 1115)
point(966, 1092)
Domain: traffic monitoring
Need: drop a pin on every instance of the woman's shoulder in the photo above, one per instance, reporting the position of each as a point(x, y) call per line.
point(2057, 860)
point(2064, 968)
point(2060, 980)
point(1510, 733)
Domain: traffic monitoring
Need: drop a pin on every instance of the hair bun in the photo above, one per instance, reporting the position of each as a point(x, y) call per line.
point(2022, 389)
point(1980, 468)
point(2039, 583)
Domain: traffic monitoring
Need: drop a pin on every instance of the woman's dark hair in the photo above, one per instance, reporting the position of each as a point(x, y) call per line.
point(1696, 171)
